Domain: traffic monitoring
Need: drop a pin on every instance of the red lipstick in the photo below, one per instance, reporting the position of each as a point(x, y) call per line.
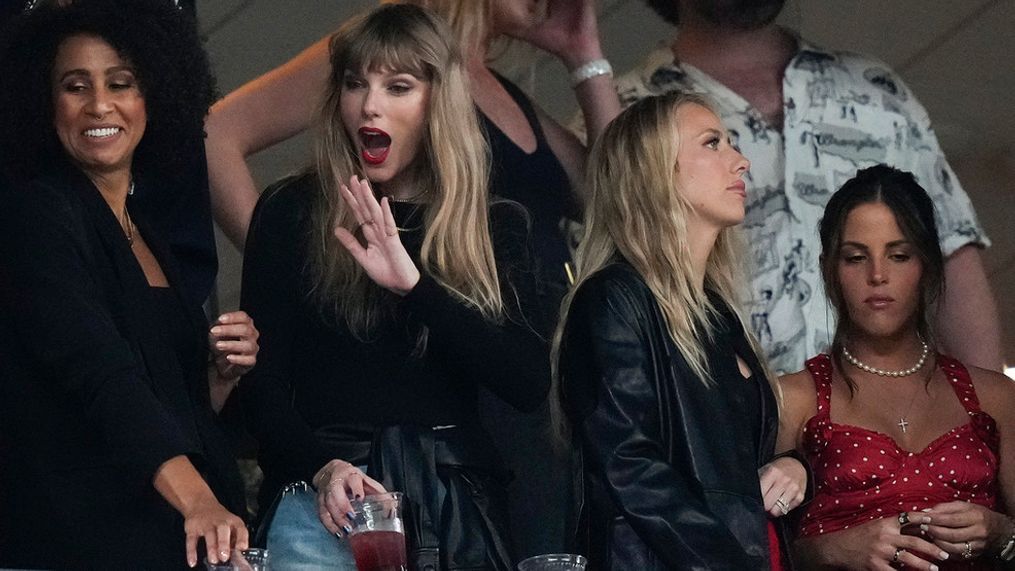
point(376, 145)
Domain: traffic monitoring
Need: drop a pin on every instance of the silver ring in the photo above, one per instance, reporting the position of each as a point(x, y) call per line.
point(782, 505)
point(903, 519)
point(898, 551)
point(967, 551)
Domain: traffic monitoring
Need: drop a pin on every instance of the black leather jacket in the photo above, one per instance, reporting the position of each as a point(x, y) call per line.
point(670, 482)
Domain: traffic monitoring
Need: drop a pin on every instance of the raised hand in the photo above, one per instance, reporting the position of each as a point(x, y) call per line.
point(570, 32)
point(383, 257)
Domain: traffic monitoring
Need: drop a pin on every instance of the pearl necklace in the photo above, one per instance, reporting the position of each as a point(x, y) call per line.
point(903, 373)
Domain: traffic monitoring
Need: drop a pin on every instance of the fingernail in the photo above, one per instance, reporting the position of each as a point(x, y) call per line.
point(926, 510)
point(925, 519)
point(933, 567)
point(350, 515)
point(347, 529)
point(924, 527)
point(220, 345)
point(224, 318)
point(216, 330)
point(942, 555)
point(224, 555)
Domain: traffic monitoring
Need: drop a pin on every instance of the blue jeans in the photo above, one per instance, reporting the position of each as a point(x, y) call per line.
point(298, 541)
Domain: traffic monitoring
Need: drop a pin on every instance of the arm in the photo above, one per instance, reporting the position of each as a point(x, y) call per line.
point(271, 278)
point(571, 34)
point(954, 523)
point(609, 380)
point(266, 111)
point(967, 317)
point(204, 517)
point(510, 358)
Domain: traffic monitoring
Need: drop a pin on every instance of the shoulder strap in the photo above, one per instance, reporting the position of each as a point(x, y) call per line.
point(820, 368)
point(960, 381)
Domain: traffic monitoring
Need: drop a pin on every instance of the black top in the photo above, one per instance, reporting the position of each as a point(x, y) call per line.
point(100, 384)
point(312, 373)
point(538, 182)
point(181, 213)
point(670, 461)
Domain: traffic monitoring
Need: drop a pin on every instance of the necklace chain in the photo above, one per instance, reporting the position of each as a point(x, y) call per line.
point(125, 222)
point(884, 373)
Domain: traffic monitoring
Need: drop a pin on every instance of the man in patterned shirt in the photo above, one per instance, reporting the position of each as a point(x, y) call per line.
point(807, 119)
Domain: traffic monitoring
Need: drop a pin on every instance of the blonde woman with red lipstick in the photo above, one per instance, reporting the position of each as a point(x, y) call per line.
point(388, 290)
point(912, 451)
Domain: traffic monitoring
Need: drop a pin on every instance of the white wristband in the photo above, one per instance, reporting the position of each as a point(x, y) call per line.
point(590, 69)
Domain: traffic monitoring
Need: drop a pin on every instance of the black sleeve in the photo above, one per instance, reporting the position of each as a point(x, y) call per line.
point(59, 310)
point(270, 289)
point(610, 377)
point(510, 358)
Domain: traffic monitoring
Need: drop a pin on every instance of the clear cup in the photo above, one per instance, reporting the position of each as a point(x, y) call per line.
point(377, 539)
point(554, 562)
point(242, 560)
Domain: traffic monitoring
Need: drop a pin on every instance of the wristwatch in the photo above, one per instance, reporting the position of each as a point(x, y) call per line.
point(1008, 549)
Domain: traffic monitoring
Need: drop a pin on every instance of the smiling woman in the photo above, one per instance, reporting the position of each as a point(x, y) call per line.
point(98, 110)
point(111, 375)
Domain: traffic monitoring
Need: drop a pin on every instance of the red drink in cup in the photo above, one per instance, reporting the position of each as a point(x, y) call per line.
point(379, 551)
point(377, 539)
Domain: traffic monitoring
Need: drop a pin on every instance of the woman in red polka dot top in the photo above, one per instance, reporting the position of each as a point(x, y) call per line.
point(913, 454)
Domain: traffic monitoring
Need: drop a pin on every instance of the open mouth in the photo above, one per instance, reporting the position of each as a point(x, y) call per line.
point(102, 133)
point(376, 145)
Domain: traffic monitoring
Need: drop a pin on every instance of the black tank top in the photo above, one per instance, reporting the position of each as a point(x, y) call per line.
point(538, 182)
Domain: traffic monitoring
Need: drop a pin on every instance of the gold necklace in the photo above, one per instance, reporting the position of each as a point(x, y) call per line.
point(125, 222)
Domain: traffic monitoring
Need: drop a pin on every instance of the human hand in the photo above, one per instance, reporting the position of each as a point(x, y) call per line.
point(966, 529)
point(335, 482)
point(570, 32)
point(783, 483)
point(233, 344)
point(879, 545)
point(384, 258)
point(222, 531)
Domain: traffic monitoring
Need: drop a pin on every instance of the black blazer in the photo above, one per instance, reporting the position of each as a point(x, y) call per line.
point(670, 482)
point(93, 398)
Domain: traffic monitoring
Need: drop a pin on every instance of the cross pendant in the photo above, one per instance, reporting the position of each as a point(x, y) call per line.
point(903, 424)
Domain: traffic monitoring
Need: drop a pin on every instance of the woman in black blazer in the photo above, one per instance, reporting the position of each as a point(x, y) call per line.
point(674, 410)
point(112, 456)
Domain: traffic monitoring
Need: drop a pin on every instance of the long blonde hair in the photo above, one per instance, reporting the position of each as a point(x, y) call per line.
point(636, 211)
point(453, 173)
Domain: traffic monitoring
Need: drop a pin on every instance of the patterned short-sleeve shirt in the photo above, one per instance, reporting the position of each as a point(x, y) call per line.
point(842, 112)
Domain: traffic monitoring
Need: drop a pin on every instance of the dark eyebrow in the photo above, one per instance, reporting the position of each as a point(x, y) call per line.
point(86, 73)
point(893, 244)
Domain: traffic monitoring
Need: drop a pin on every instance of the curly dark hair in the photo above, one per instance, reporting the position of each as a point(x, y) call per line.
point(667, 10)
point(158, 40)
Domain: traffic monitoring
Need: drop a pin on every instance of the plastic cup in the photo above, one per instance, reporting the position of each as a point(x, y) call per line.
point(554, 562)
point(377, 539)
point(242, 560)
